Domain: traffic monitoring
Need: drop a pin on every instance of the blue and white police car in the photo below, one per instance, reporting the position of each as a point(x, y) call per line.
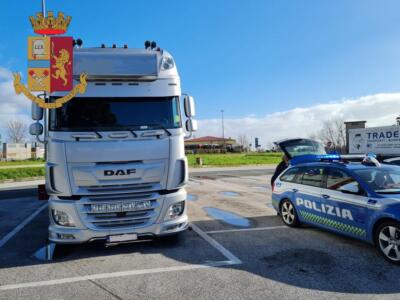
point(357, 199)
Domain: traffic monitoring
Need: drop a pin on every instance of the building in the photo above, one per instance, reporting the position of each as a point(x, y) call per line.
point(38, 151)
point(209, 144)
point(16, 151)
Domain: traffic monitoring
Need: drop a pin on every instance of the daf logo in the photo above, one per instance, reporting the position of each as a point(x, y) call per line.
point(119, 172)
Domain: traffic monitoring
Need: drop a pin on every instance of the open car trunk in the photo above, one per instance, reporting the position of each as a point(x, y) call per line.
point(299, 146)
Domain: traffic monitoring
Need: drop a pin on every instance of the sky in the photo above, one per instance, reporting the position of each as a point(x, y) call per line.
point(260, 61)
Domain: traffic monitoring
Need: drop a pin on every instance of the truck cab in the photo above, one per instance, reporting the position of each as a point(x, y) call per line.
point(115, 162)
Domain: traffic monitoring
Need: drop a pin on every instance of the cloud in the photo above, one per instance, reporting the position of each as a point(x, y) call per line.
point(11, 105)
point(377, 110)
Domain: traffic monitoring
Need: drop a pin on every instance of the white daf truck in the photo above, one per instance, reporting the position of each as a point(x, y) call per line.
point(115, 162)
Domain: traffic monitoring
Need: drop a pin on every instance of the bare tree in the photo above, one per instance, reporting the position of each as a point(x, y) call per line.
point(243, 141)
point(333, 133)
point(17, 131)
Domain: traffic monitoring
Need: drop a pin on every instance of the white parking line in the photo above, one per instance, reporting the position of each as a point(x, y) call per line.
point(246, 229)
point(216, 245)
point(110, 275)
point(17, 229)
point(232, 260)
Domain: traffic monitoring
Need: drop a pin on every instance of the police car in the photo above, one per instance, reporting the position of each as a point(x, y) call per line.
point(357, 199)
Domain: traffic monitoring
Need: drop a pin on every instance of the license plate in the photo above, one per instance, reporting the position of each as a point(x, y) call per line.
point(119, 207)
point(122, 238)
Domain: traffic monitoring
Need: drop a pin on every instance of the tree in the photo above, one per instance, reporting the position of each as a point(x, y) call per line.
point(17, 131)
point(333, 132)
point(243, 141)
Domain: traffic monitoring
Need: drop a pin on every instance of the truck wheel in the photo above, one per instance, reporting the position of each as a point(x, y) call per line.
point(288, 213)
point(387, 240)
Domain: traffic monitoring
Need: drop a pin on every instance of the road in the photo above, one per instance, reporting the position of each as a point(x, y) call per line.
point(237, 249)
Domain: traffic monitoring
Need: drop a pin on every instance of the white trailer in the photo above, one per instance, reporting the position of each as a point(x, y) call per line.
point(116, 168)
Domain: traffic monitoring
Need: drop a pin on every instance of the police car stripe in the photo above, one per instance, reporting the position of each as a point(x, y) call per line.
point(313, 218)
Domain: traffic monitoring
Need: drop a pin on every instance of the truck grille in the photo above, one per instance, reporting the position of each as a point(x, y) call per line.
point(121, 219)
point(122, 188)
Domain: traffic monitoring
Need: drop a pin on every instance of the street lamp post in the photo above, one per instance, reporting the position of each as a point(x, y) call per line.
point(223, 129)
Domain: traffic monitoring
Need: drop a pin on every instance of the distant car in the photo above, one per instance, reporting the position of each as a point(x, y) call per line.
point(361, 199)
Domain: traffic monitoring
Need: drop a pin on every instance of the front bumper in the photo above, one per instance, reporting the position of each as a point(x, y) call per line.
point(83, 233)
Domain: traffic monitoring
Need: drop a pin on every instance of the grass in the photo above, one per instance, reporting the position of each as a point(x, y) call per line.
point(22, 162)
point(235, 159)
point(217, 160)
point(21, 173)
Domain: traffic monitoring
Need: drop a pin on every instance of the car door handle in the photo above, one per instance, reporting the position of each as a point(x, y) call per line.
point(295, 190)
point(326, 196)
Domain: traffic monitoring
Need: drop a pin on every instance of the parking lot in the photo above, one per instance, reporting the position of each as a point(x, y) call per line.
point(237, 248)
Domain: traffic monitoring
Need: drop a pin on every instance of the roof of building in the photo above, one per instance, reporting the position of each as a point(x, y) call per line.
point(207, 139)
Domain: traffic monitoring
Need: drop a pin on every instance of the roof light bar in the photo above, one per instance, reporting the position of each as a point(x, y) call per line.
point(307, 158)
point(368, 159)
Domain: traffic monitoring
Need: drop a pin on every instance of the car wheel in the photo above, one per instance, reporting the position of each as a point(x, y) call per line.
point(387, 240)
point(288, 213)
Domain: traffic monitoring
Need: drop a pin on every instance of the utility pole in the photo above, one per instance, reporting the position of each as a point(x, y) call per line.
point(223, 129)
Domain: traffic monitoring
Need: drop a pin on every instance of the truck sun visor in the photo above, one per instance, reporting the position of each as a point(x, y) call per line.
point(124, 65)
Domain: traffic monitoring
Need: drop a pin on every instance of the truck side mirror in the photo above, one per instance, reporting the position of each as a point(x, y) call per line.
point(190, 110)
point(191, 125)
point(36, 129)
point(37, 112)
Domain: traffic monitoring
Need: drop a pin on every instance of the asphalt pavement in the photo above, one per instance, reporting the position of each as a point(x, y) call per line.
point(237, 248)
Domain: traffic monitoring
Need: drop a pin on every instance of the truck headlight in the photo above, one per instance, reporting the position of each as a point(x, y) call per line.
point(175, 210)
point(62, 218)
point(167, 63)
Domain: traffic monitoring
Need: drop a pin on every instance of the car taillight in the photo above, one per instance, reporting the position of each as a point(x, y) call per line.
point(273, 186)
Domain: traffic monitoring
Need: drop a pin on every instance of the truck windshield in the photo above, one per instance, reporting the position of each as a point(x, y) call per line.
point(113, 114)
point(381, 180)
